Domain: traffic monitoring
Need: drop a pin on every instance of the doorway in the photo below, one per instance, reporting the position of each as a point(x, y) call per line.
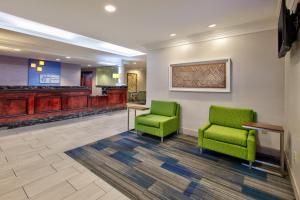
point(87, 79)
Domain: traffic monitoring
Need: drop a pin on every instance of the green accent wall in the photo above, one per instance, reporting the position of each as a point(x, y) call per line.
point(104, 76)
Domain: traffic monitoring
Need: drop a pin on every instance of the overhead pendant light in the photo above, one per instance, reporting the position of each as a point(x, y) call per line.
point(41, 62)
point(33, 65)
point(39, 69)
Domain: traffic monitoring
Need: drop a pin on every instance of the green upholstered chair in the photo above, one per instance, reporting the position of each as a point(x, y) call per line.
point(162, 120)
point(224, 133)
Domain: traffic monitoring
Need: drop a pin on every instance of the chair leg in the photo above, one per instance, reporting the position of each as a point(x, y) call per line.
point(162, 139)
point(250, 164)
point(178, 132)
point(200, 150)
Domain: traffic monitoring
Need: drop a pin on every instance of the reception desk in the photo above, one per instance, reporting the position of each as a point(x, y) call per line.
point(21, 104)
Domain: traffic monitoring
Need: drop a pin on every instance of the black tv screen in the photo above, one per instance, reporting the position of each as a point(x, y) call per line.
point(286, 31)
point(283, 46)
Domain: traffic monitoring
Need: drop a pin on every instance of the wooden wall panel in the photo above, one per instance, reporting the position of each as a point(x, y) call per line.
point(47, 104)
point(75, 102)
point(13, 107)
point(26, 104)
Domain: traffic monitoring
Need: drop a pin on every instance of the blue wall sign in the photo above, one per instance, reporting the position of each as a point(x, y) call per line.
point(49, 76)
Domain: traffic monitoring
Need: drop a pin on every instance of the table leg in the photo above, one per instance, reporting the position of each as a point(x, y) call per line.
point(134, 120)
point(128, 118)
point(282, 153)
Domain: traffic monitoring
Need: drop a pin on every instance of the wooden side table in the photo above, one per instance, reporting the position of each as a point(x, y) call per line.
point(272, 128)
point(135, 107)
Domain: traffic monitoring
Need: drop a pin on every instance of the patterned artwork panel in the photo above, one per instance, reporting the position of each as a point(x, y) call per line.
point(132, 82)
point(202, 75)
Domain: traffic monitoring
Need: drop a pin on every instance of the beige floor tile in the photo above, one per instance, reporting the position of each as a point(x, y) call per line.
point(57, 192)
point(111, 195)
point(28, 176)
point(6, 173)
point(9, 184)
point(62, 164)
point(90, 192)
point(17, 194)
point(82, 180)
point(33, 158)
point(41, 185)
point(104, 185)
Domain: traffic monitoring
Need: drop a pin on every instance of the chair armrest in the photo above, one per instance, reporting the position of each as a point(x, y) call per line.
point(251, 145)
point(170, 125)
point(201, 133)
point(142, 114)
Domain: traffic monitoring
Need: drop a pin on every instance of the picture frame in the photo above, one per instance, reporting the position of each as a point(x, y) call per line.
point(201, 76)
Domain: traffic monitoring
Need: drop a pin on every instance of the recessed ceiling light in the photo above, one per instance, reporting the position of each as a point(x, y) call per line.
point(110, 8)
point(172, 34)
point(57, 59)
point(134, 63)
point(212, 25)
point(89, 65)
point(17, 49)
point(68, 57)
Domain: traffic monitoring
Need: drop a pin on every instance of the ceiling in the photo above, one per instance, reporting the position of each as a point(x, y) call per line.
point(135, 24)
point(39, 48)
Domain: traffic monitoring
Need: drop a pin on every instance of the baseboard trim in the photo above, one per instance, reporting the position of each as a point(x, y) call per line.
point(292, 178)
point(188, 131)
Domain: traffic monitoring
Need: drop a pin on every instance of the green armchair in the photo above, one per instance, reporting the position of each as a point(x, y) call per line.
point(224, 133)
point(162, 120)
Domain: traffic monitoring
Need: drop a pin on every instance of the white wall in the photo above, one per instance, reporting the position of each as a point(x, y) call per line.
point(292, 112)
point(257, 79)
point(70, 74)
point(13, 71)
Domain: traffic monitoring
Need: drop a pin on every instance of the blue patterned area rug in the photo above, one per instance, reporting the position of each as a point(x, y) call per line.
point(143, 168)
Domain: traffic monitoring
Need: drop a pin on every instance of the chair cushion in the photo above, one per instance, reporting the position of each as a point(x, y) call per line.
point(152, 120)
point(232, 117)
point(165, 108)
point(227, 135)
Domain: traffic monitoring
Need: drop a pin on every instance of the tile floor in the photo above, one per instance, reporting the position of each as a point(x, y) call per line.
point(33, 165)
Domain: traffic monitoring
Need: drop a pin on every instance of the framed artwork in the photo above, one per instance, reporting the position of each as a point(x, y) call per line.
point(132, 82)
point(202, 76)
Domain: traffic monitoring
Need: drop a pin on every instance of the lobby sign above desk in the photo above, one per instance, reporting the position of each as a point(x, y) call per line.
point(49, 76)
point(49, 79)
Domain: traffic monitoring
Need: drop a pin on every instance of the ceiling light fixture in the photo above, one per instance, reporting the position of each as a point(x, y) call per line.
point(21, 25)
point(68, 57)
point(212, 25)
point(110, 8)
point(89, 65)
point(39, 69)
point(57, 59)
point(41, 63)
point(172, 34)
point(17, 49)
point(105, 63)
